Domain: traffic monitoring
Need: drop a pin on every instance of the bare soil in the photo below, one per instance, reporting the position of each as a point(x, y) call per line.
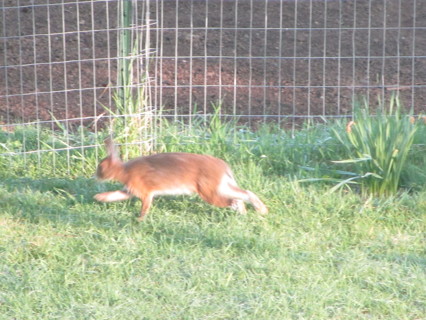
point(274, 58)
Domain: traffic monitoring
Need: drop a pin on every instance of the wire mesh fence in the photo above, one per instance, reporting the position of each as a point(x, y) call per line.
point(262, 60)
point(289, 59)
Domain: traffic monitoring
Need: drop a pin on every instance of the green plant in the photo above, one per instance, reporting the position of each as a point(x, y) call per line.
point(378, 145)
point(204, 133)
point(132, 116)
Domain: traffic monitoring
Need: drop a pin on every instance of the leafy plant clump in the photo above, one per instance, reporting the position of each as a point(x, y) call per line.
point(378, 145)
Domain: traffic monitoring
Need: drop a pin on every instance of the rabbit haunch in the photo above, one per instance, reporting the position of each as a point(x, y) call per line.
point(174, 174)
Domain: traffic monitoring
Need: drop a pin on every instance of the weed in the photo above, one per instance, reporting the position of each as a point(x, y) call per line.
point(378, 145)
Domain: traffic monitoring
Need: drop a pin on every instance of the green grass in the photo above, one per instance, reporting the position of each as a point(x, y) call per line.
point(315, 256)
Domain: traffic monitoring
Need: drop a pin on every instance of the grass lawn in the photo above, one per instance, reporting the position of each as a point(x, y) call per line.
point(315, 256)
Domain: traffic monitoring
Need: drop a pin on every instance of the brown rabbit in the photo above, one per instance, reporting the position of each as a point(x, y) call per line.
point(173, 174)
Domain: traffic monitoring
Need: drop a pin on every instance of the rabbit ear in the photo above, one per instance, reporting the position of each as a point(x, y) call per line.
point(111, 149)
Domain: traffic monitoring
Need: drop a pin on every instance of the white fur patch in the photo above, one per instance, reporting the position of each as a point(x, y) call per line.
point(258, 205)
point(229, 188)
point(238, 205)
point(112, 196)
point(173, 191)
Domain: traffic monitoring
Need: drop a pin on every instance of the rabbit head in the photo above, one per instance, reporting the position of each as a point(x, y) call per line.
point(112, 166)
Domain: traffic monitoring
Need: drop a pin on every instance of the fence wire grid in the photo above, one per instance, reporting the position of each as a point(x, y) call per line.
point(263, 60)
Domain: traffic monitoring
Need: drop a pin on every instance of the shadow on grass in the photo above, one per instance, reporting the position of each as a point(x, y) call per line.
point(77, 190)
point(54, 199)
point(70, 201)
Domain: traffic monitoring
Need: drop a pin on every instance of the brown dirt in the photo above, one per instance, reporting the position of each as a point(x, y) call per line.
point(254, 65)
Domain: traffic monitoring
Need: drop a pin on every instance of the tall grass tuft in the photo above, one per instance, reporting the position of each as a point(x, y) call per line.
point(378, 145)
point(133, 115)
point(204, 134)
